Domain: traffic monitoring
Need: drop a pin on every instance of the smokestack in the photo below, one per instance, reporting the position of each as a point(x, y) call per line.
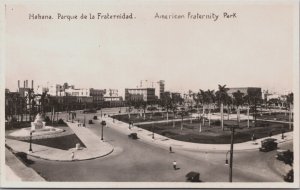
point(18, 84)
point(32, 84)
point(24, 83)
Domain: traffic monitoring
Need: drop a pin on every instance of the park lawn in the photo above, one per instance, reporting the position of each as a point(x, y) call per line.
point(214, 133)
point(137, 118)
point(62, 142)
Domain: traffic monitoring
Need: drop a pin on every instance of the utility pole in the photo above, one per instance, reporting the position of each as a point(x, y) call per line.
point(231, 154)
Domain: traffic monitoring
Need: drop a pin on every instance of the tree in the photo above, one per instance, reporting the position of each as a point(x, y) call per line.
point(191, 95)
point(238, 101)
point(167, 104)
point(229, 102)
point(254, 97)
point(211, 100)
point(205, 101)
point(290, 103)
point(221, 98)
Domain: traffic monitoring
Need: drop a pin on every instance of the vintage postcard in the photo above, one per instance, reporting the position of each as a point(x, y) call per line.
point(156, 94)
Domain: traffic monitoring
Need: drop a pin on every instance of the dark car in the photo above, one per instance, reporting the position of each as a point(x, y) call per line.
point(133, 136)
point(193, 176)
point(286, 156)
point(289, 177)
point(268, 144)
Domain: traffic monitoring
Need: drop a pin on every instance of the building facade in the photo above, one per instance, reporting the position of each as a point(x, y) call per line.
point(158, 86)
point(140, 94)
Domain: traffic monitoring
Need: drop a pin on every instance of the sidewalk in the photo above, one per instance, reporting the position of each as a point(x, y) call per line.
point(95, 148)
point(165, 142)
point(15, 170)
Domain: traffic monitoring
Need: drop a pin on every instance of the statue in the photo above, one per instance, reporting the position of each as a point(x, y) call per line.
point(39, 122)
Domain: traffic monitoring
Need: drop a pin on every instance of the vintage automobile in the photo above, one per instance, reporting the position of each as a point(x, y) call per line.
point(268, 144)
point(289, 177)
point(133, 136)
point(286, 156)
point(193, 176)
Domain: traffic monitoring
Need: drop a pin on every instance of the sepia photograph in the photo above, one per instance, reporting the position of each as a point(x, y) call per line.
point(149, 94)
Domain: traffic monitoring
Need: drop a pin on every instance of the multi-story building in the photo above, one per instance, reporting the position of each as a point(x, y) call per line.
point(138, 94)
point(77, 92)
point(158, 86)
point(56, 90)
point(98, 95)
point(23, 91)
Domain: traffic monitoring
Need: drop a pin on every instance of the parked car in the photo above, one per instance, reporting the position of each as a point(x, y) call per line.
point(133, 136)
point(193, 176)
point(289, 177)
point(268, 144)
point(286, 156)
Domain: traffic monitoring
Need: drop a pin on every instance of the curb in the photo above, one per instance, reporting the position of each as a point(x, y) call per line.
point(14, 151)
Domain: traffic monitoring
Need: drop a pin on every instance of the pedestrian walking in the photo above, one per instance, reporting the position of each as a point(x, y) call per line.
point(72, 156)
point(174, 165)
point(170, 149)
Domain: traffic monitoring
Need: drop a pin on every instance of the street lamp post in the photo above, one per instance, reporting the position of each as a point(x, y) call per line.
point(84, 120)
point(153, 130)
point(103, 123)
point(30, 141)
point(231, 154)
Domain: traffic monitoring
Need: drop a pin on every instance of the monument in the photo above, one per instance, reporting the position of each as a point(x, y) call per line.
point(38, 128)
point(39, 122)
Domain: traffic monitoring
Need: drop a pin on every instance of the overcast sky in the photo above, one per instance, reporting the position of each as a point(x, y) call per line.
point(255, 49)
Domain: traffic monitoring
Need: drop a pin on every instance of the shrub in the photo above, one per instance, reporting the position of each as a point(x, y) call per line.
point(14, 119)
point(60, 121)
point(95, 117)
point(90, 121)
point(217, 122)
point(47, 119)
point(157, 114)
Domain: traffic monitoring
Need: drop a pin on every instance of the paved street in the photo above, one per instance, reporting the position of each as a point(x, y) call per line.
point(134, 160)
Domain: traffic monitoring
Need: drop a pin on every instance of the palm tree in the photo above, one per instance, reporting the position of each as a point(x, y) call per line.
point(205, 102)
point(290, 102)
point(254, 97)
point(167, 104)
point(246, 100)
point(238, 101)
point(211, 100)
point(229, 102)
point(191, 95)
point(174, 108)
point(221, 97)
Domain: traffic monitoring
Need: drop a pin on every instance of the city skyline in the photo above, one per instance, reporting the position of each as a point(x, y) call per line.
point(187, 55)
